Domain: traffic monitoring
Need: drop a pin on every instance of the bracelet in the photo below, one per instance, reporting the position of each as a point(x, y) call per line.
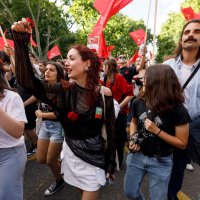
point(158, 132)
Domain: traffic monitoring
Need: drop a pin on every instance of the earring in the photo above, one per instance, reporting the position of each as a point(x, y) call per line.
point(86, 69)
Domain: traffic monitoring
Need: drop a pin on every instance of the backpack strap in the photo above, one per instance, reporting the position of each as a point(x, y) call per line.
point(191, 76)
point(104, 103)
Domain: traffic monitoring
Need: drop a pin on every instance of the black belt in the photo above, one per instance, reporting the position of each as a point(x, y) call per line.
point(159, 155)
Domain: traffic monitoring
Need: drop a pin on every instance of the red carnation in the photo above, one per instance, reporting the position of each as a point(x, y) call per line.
point(72, 116)
point(31, 22)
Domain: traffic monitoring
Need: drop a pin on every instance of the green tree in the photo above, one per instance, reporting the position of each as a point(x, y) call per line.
point(52, 24)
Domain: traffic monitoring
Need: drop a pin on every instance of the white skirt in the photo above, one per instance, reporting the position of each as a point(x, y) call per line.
point(79, 173)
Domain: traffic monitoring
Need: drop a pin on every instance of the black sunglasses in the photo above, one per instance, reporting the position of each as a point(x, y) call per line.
point(122, 57)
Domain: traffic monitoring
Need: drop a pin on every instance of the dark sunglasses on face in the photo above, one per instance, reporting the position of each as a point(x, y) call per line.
point(122, 57)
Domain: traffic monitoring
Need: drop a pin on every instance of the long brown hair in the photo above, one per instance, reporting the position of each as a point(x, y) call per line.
point(162, 88)
point(59, 69)
point(178, 50)
point(112, 69)
point(3, 84)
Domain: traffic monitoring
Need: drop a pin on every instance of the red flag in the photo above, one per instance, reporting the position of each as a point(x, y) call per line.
point(109, 49)
point(102, 21)
point(10, 42)
point(133, 59)
point(55, 51)
point(138, 36)
point(119, 5)
point(107, 10)
point(101, 8)
point(33, 43)
point(102, 51)
point(188, 13)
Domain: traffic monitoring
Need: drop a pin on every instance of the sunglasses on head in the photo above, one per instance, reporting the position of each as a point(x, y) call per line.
point(122, 57)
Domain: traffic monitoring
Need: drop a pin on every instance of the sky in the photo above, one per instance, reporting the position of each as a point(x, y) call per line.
point(138, 9)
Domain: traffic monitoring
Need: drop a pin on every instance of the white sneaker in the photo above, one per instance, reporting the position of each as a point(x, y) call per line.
point(189, 167)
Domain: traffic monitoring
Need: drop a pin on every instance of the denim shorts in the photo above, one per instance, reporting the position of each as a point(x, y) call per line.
point(51, 130)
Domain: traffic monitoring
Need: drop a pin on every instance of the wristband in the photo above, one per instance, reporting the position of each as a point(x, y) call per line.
point(158, 132)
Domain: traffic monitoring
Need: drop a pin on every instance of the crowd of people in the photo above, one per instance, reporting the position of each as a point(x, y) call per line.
point(73, 100)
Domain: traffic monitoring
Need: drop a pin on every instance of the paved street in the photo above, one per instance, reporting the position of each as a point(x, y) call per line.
point(38, 177)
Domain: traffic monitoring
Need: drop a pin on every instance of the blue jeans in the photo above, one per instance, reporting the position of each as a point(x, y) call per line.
point(12, 166)
point(158, 171)
point(51, 130)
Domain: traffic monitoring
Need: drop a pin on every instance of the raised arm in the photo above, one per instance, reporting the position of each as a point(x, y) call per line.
point(21, 31)
point(23, 67)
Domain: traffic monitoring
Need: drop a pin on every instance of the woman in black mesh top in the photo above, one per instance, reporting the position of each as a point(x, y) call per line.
point(79, 107)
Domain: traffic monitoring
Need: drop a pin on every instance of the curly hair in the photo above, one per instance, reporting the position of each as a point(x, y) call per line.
point(162, 88)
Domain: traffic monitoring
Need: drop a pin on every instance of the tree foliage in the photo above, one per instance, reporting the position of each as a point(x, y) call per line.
point(52, 24)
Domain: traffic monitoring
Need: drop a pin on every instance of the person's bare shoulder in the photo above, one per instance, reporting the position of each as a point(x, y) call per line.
point(107, 91)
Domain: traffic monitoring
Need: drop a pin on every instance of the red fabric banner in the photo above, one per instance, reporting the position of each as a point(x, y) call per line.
point(102, 51)
point(102, 7)
point(138, 36)
point(111, 47)
point(107, 9)
point(133, 58)
point(102, 21)
point(119, 5)
point(10, 42)
point(33, 43)
point(189, 13)
point(55, 51)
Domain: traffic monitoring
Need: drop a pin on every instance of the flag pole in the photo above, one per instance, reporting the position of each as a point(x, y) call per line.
point(154, 32)
point(5, 41)
point(147, 23)
point(145, 37)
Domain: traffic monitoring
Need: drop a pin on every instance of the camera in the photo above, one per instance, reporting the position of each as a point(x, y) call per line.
point(136, 138)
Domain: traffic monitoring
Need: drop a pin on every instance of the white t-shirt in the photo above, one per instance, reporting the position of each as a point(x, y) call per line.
point(13, 105)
